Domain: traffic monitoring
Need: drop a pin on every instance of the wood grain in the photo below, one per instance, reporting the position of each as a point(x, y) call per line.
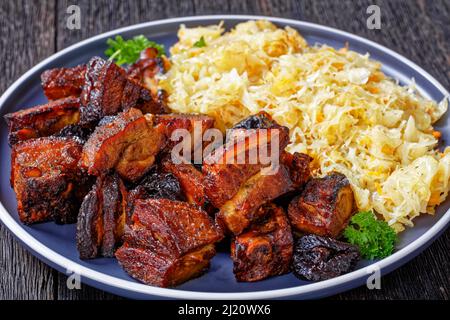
point(30, 31)
point(27, 36)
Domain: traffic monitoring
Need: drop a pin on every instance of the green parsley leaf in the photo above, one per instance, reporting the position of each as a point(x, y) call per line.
point(128, 51)
point(375, 238)
point(200, 43)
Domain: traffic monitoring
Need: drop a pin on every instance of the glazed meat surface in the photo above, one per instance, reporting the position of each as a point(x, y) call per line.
point(108, 90)
point(230, 166)
point(194, 124)
point(129, 143)
point(43, 120)
point(265, 249)
point(59, 83)
point(190, 179)
point(168, 242)
point(324, 207)
point(241, 210)
point(46, 179)
point(101, 219)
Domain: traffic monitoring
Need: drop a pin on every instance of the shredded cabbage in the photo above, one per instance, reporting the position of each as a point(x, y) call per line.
point(339, 106)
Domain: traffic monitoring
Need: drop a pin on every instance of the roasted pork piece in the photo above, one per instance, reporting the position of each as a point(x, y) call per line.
point(168, 242)
point(194, 124)
point(147, 67)
point(47, 180)
point(63, 82)
point(324, 207)
point(298, 165)
point(265, 249)
point(43, 120)
point(129, 143)
point(235, 162)
point(190, 179)
point(101, 219)
point(108, 90)
point(239, 212)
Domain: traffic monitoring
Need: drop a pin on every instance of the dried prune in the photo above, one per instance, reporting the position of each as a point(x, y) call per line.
point(261, 120)
point(81, 133)
point(319, 258)
point(156, 184)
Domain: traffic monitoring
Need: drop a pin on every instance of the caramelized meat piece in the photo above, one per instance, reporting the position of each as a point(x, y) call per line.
point(108, 90)
point(168, 242)
point(238, 213)
point(191, 181)
point(147, 67)
point(47, 181)
point(231, 165)
point(43, 120)
point(265, 249)
point(63, 82)
point(299, 167)
point(321, 258)
point(194, 124)
point(324, 207)
point(101, 219)
point(129, 143)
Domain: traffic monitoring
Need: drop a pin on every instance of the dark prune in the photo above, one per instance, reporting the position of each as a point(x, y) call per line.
point(319, 258)
point(156, 184)
point(261, 120)
point(79, 132)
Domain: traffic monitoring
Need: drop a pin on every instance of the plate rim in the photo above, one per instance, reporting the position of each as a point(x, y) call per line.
point(55, 259)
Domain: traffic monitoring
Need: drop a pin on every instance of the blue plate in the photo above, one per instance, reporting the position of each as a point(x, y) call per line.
point(56, 244)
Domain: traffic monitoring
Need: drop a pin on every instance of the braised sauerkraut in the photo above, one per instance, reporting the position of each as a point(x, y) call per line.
point(339, 106)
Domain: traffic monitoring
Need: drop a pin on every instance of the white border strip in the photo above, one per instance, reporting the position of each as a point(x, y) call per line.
point(111, 281)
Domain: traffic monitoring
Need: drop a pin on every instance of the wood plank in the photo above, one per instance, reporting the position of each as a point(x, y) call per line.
point(27, 37)
point(417, 29)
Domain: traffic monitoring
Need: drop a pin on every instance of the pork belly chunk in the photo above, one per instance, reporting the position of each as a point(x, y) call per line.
point(129, 143)
point(264, 250)
point(59, 83)
point(43, 120)
point(168, 242)
point(190, 179)
point(224, 169)
point(47, 180)
point(101, 219)
point(241, 210)
point(108, 90)
point(324, 207)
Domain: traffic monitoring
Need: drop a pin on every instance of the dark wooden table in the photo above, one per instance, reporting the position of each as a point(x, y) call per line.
point(33, 30)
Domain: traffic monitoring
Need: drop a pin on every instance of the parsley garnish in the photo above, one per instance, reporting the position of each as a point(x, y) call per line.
point(375, 238)
point(128, 51)
point(200, 43)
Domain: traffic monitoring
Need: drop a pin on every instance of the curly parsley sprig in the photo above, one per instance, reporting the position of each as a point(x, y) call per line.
point(375, 238)
point(128, 51)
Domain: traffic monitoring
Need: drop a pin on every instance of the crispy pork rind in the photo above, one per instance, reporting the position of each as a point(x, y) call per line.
point(265, 249)
point(129, 143)
point(43, 120)
point(168, 242)
point(47, 181)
